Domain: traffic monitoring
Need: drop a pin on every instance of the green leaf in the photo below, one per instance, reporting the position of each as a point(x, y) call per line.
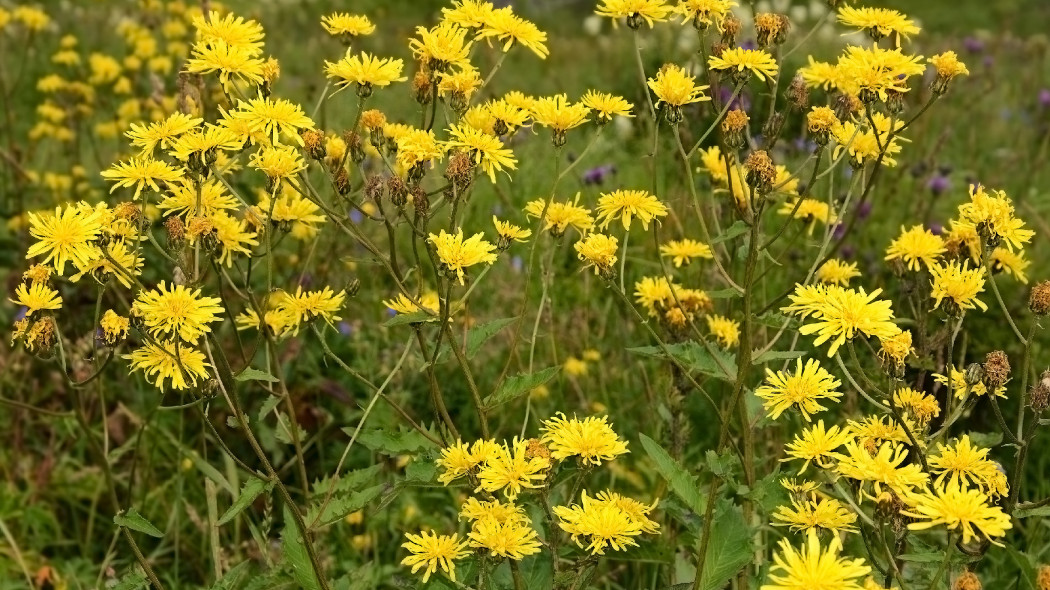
point(250, 374)
point(421, 470)
point(1041, 511)
point(233, 578)
point(295, 556)
point(133, 580)
point(730, 548)
point(986, 439)
point(694, 356)
point(347, 482)
point(340, 506)
point(682, 483)
point(393, 443)
point(724, 466)
point(778, 355)
point(519, 385)
point(737, 229)
point(249, 492)
point(476, 337)
point(416, 317)
point(723, 293)
point(131, 519)
point(922, 557)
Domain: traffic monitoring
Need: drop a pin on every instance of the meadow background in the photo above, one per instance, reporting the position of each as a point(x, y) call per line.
point(993, 127)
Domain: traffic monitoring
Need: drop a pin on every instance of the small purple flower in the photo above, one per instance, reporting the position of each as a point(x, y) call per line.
point(973, 44)
point(598, 174)
point(1044, 98)
point(516, 263)
point(840, 230)
point(356, 216)
point(936, 228)
point(749, 45)
point(742, 101)
point(847, 252)
point(21, 313)
point(938, 184)
point(391, 312)
point(863, 211)
point(306, 280)
point(345, 328)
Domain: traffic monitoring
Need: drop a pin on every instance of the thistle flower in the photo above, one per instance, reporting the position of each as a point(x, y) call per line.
point(916, 245)
point(812, 566)
point(177, 312)
point(37, 297)
point(591, 439)
point(684, 251)
point(957, 507)
point(169, 362)
point(742, 63)
point(957, 285)
point(599, 250)
point(804, 389)
point(430, 550)
point(625, 204)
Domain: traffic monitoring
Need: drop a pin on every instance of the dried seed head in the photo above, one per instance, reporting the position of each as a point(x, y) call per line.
point(967, 581)
point(996, 369)
point(974, 374)
point(733, 127)
point(176, 229)
point(1039, 300)
point(422, 87)
point(398, 191)
point(760, 171)
point(1039, 395)
point(535, 448)
point(129, 211)
point(353, 144)
point(772, 29)
point(42, 335)
point(313, 141)
point(771, 130)
point(342, 181)
point(420, 200)
point(372, 119)
point(798, 93)
point(730, 29)
point(820, 122)
point(374, 188)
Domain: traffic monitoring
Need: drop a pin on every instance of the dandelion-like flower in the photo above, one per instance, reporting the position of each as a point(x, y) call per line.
point(472, 14)
point(364, 70)
point(803, 389)
point(813, 567)
point(114, 326)
point(511, 539)
point(560, 216)
point(277, 162)
point(558, 114)
point(992, 215)
point(162, 133)
point(599, 251)
point(818, 513)
point(959, 508)
point(598, 524)
point(704, 13)
point(457, 254)
point(509, 28)
point(963, 463)
point(508, 232)
point(486, 151)
point(818, 444)
point(896, 348)
point(591, 439)
point(872, 73)
point(37, 297)
point(178, 312)
point(1012, 263)
point(229, 61)
point(957, 285)
point(878, 22)
point(231, 29)
point(675, 87)
point(459, 459)
point(440, 47)
point(920, 406)
point(510, 468)
point(431, 550)
point(742, 63)
point(168, 362)
point(348, 26)
point(66, 236)
point(884, 468)
point(635, 11)
point(727, 331)
point(627, 204)
point(837, 272)
point(684, 251)
point(605, 105)
point(916, 245)
point(141, 172)
point(274, 118)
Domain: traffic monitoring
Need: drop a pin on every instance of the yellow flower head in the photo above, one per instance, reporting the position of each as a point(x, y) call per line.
point(230, 29)
point(428, 301)
point(430, 550)
point(878, 22)
point(511, 539)
point(510, 468)
point(916, 245)
point(486, 151)
point(896, 348)
point(1010, 262)
point(364, 70)
point(507, 27)
point(599, 250)
point(837, 272)
point(559, 216)
point(472, 14)
point(347, 26)
point(169, 361)
point(229, 61)
point(871, 73)
point(993, 217)
point(818, 444)
point(557, 113)
point(727, 331)
point(884, 468)
point(416, 146)
point(606, 105)
point(37, 297)
point(596, 524)
point(508, 232)
point(457, 254)
point(812, 566)
point(684, 251)
point(114, 326)
point(635, 11)
point(964, 463)
point(162, 133)
point(958, 285)
point(460, 459)
point(440, 47)
point(68, 235)
point(704, 13)
point(816, 513)
point(675, 87)
point(948, 66)
point(277, 162)
point(591, 439)
point(625, 204)
point(841, 314)
point(741, 63)
point(803, 389)
point(922, 407)
point(141, 172)
point(273, 118)
point(177, 312)
point(959, 508)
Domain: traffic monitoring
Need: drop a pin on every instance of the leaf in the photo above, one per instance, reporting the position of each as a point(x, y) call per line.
point(519, 385)
point(922, 557)
point(730, 547)
point(476, 337)
point(986, 439)
point(388, 442)
point(249, 492)
point(232, 579)
point(422, 471)
point(340, 506)
point(682, 483)
point(295, 556)
point(694, 356)
point(415, 317)
point(729, 293)
point(724, 466)
point(131, 519)
point(133, 580)
point(737, 229)
point(250, 374)
point(348, 482)
point(1040, 511)
point(778, 355)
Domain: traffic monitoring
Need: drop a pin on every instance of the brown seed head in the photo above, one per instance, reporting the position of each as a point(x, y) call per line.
point(967, 581)
point(996, 368)
point(1039, 300)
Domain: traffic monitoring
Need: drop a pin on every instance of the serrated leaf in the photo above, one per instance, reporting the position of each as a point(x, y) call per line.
point(730, 549)
point(133, 580)
point(249, 492)
point(778, 355)
point(392, 443)
point(519, 385)
point(476, 338)
point(737, 229)
point(681, 482)
point(131, 519)
point(340, 506)
point(1040, 512)
point(722, 466)
point(232, 579)
point(250, 374)
point(729, 293)
point(421, 471)
point(268, 406)
point(347, 482)
point(295, 556)
point(695, 356)
point(283, 432)
point(415, 317)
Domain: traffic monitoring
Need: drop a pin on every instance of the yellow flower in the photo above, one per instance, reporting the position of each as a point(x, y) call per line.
point(740, 63)
point(993, 217)
point(322, 304)
point(872, 431)
point(432, 551)
point(37, 274)
point(814, 568)
point(879, 22)
point(818, 444)
point(37, 297)
point(66, 236)
point(820, 74)
point(816, 513)
point(348, 26)
point(460, 84)
point(961, 387)
point(457, 254)
point(163, 133)
point(230, 29)
point(821, 120)
point(625, 204)
point(896, 348)
point(837, 272)
point(560, 216)
point(726, 330)
point(882, 468)
point(557, 113)
point(417, 146)
point(948, 66)
point(683, 251)
point(460, 459)
point(508, 232)
point(277, 162)
point(199, 146)
point(675, 87)
point(808, 210)
point(364, 70)
point(440, 47)
point(958, 284)
point(273, 118)
point(509, 28)
point(485, 150)
point(651, 11)
point(606, 105)
point(1010, 262)
point(916, 245)
point(235, 61)
point(472, 14)
point(475, 510)
point(141, 172)
point(510, 115)
point(32, 18)
point(114, 326)
point(512, 539)
point(963, 463)
point(704, 13)
point(921, 406)
point(509, 468)
point(402, 304)
point(803, 388)
point(591, 439)
point(291, 207)
point(598, 524)
point(599, 250)
point(841, 314)
point(168, 361)
point(182, 199)
point(956, 507)
point(177, 313)
point(871, 73)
